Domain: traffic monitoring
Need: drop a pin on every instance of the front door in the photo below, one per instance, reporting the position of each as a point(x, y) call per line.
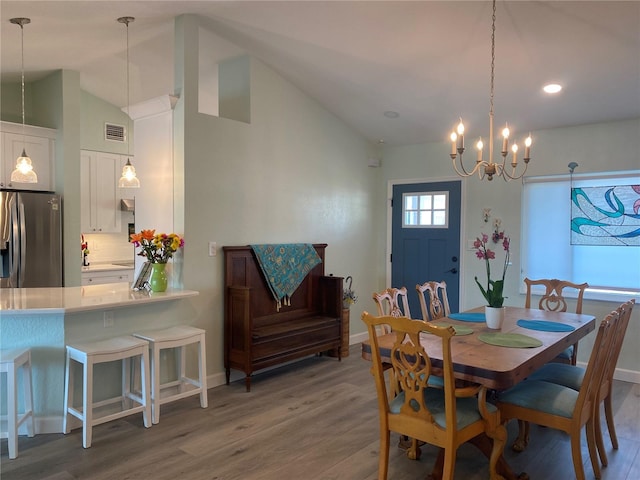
point(425, 238)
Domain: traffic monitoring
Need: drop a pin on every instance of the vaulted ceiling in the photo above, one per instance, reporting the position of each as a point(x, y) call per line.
point(429, 61)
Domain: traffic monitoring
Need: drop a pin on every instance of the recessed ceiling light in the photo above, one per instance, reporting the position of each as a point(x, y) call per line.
point(552, 88)
point(391, 114)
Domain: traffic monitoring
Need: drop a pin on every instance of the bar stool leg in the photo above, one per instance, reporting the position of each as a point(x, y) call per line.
point(202, 374)
point(12, 411)
point(147, 414)
point(68, 394)
point(28, 398)
point(87, 402)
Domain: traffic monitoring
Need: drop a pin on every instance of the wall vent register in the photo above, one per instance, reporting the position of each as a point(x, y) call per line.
point(116, 133)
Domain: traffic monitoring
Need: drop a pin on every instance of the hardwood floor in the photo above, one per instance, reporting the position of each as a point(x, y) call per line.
point(312, 420)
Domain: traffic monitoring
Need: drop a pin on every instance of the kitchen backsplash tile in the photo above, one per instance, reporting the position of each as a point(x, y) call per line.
point(111, 247)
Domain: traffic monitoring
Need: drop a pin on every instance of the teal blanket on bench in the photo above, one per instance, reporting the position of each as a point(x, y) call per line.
point(285, 266)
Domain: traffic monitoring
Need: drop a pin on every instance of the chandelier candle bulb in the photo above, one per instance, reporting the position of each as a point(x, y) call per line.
point(460, 135)
point(527, 147)
point(479, 146)
point(505, 139)
point(454, 138)
point(514, 160)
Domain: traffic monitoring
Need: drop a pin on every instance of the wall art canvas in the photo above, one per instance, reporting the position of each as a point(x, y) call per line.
point(606, 215)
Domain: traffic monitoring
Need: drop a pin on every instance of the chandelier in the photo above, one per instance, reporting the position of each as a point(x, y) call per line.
point(24, 172)
point(129, 179)
point(489, 168)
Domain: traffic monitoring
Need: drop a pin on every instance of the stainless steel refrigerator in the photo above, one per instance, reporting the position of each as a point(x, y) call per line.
point(30, 239)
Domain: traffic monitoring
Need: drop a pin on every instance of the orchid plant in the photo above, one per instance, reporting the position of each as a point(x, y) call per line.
point(494, 288)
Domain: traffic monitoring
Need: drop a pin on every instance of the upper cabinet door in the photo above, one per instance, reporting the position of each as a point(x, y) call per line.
point(100, 208)
point(39, 149)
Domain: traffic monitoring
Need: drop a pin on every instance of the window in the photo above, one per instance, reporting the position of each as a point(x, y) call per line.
point(547, 251)
point(425, 210)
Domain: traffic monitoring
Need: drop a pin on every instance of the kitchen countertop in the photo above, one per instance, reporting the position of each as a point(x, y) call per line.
point(56, 300)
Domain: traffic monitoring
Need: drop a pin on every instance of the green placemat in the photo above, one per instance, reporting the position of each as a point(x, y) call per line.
point(514, 340)
point(460, 329)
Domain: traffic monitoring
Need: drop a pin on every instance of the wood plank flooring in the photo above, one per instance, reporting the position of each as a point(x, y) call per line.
point(312, 420)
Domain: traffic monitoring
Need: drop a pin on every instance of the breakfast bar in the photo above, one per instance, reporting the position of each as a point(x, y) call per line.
point(47, 319)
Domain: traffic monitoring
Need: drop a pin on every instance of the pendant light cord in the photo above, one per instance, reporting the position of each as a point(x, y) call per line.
point(493, 67)
point(128, 116)
point(22, 81)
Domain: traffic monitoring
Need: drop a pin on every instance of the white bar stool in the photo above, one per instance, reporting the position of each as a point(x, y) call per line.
point(176, 337)
point(10, 363)
point(89, 354)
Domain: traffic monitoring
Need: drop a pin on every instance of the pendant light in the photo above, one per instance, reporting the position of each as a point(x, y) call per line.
point(23, 172)
point(128, 178)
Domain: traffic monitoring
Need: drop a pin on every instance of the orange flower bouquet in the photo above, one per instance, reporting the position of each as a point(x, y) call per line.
point(157, 247)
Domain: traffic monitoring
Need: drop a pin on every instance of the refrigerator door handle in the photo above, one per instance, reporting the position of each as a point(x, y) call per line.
point(23, 242)
point(15, 251)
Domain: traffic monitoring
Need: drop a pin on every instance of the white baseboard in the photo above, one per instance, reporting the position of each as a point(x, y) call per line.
point(622, 374)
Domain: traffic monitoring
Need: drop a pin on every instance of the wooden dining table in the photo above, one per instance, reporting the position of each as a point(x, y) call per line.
point(497, 367)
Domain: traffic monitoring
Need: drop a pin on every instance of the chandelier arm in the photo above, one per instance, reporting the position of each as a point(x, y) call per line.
point(465, 172)
point(513, 175)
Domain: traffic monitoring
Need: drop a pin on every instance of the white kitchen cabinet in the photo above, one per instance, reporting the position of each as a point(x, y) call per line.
point(99, 193)
point(109, 276)
point(39, 143)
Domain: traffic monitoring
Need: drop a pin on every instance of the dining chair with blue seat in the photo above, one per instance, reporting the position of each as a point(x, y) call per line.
point(434, 302)
point(445, 417)
point(393, 302)
point(554, 300)
point(563, 408)
point(572, 376)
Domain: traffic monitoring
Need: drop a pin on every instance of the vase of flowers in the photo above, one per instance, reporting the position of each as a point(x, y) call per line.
point(493, 291)
point(158, 248)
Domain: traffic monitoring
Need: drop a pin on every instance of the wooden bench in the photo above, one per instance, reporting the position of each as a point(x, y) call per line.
point(257, 334)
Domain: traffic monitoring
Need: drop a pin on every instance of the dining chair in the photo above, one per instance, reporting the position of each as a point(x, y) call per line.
point(392, 302)
point(437, 305)
point(445, 417)
point(554, 300)
point(572, 376)
point(563, 408)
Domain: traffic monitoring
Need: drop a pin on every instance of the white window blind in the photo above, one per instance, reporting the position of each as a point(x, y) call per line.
point(611, 271)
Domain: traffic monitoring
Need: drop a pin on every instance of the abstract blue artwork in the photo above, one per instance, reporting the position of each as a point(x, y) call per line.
point(606, 215)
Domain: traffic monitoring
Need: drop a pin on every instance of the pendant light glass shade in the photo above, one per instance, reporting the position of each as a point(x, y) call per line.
point(128, 178)
point(24, 172)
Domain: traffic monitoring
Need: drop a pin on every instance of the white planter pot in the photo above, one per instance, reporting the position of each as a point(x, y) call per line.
point(495, 317)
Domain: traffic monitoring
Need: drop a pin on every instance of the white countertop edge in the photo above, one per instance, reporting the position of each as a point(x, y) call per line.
point(61, 300)
point(106, 267)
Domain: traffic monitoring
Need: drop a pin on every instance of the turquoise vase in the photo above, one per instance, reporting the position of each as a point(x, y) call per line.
point(158, 280)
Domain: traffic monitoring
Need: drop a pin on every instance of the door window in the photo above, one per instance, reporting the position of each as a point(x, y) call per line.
point(425, 210)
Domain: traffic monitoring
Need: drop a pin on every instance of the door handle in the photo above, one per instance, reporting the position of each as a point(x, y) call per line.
point(454, 270)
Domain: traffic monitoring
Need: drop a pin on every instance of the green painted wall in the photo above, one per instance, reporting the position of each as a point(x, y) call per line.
point(295, 173)
point(94, 113)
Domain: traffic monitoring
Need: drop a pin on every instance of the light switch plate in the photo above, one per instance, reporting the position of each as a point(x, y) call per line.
point(212, 249)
